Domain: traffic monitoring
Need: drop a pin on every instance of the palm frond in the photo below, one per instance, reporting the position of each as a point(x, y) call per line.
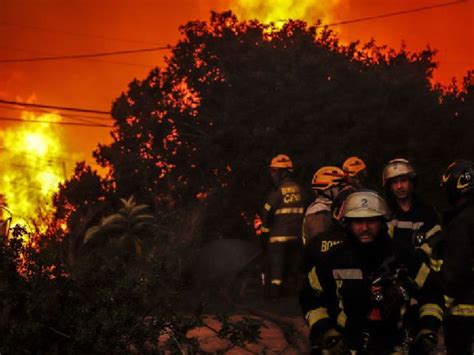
point(116, 218)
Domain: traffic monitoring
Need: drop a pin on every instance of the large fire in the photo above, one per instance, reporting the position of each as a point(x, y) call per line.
point(279, 11)
point(33, 164)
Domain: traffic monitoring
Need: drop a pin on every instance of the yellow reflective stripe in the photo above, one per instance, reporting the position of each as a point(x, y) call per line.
point(426, 248)
point(391, 231)
point(281, 238)
point(290, 210)
point(448, 301)
point(431, 309)
point(277, 282)
point(406, 224)
point(436, 264)
point(432, 231)
point(315, 315)
point(347, 274)
point(342, 319)
point(314, 280)
point(422, 275)
point(264, 229)
point(464, 310)
point(267, 206)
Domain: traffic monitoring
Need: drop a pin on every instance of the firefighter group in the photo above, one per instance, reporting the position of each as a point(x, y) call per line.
point(377, 273)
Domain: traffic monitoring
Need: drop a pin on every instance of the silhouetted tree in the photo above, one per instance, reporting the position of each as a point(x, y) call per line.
point(232, 94)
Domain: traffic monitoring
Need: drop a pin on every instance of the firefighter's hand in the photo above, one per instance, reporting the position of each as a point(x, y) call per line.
point(425, 342)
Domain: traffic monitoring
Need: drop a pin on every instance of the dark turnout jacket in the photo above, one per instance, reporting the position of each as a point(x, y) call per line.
point(283, 212)
point(338, 290)
point(456, 276)
point(415, 227)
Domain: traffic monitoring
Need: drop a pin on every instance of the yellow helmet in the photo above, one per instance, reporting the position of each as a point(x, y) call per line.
point(282, 161)
point(364, 204)
point(327, 177)
point(397, 167)
point(353, 166)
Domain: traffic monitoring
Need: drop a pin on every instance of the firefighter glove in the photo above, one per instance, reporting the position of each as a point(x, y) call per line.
point(394, 296)
point(425, 342)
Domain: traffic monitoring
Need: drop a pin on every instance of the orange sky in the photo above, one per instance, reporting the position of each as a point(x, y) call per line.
point(81, 25)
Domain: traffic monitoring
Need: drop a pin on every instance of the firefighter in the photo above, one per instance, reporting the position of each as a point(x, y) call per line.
point(457, 271)
point(355, 298)
point(327, 183)
point(414, 224)
point(356, 171)
point(282, 217)
point(321, 226)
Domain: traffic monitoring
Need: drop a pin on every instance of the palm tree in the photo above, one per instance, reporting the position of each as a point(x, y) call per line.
point(130, 226)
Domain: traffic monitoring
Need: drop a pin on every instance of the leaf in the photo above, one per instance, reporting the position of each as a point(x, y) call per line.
point(138, 246)
point(91, 233)
point(113, 219)
point(137, 209)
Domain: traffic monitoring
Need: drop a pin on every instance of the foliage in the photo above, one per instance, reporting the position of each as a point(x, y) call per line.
point(129, 227)
point(192, 141)
point(107, 303)
point(232, 95)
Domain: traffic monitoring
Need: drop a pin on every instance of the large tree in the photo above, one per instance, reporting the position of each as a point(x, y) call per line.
point(232, 94)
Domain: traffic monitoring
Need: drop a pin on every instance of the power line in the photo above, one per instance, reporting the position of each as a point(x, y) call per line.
point(144, 65)
point(398, 13)
point(77, 34)
point(90, 55)
point(34, 109)
point(42, 111)
point(57, 158)
point(54, 107)
point(53, 122)
point(142, 50)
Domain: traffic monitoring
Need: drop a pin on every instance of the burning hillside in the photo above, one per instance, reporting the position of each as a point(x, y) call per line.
point(33, 164)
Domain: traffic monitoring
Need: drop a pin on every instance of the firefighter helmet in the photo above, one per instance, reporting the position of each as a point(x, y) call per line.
point(458, 178)
point(353, 166)
point(327, 177)
point(397, 167)
point(282, 161)
point(364, 204)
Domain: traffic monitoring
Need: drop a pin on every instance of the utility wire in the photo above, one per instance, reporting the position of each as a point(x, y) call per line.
point(54, 107)
point(43, 111)
point(58, 122)
point(398, 13)
point(79, 56)
point(57, 158)
point(35, 52)
point(53, 30)
point(142, 50)
point(73, 116)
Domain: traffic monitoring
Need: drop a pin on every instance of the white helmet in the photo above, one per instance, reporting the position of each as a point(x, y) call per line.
point(397, 167)
point(364, 204)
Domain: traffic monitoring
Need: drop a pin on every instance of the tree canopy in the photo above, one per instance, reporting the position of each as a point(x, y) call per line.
point(232, 94)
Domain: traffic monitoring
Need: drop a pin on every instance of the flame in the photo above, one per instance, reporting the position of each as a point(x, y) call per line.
point(279, 11)
point(32, 168)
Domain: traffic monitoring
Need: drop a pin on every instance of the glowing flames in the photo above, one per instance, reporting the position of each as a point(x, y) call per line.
point(279, 11)
point(32, 168)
